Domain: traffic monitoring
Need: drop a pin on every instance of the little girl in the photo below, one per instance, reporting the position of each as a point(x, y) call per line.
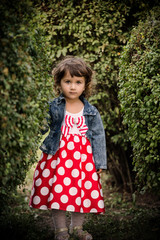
point(73, 154)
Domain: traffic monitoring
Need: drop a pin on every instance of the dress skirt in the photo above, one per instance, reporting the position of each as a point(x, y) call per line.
point(68, 180)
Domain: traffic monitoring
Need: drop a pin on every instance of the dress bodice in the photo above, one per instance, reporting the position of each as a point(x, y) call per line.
point(74, 124)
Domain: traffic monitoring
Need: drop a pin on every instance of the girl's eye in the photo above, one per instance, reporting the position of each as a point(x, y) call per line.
point(67, 81)
point(78, 82)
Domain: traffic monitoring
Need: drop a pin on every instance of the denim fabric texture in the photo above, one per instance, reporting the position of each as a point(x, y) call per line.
point(95, 132)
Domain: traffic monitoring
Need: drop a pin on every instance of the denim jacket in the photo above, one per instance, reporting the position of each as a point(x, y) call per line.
point(95, 132)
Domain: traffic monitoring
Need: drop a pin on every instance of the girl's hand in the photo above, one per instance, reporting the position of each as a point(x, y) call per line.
point(99, 171)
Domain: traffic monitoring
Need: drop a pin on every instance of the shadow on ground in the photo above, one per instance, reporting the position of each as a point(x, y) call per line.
point(123, 220)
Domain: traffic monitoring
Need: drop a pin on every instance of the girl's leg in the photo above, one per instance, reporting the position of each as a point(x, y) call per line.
point(59, 219)
point(76, 226)
point(77, 219)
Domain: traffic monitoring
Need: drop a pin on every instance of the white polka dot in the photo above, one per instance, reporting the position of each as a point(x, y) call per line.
point(58, 160)
point(101, 204)
point(53, 164)
point(95, 176)
point(84, 157)
point(33, 191)
point(42, 165)
point(73, 191)
point(69, 163)
point(50, 197)
point(89, 167)
point(46, 173)
point(36, 173)
point(93, 210)
point(38, 182)
point(81, 210)
point(54, 178)
point(77, 155)
point(61, 171)
point(88, 185)
point(89, 149)
point(80, 183)
point(41, 156)
point(78, 201)
point(83, 175)
point(68, 137)
point(94, 194)
point(43, 207)
point(100, 182)
point(76, 139)
point(67, 181)
point(44, 191)
point(70, 146)
point(64, 154)
point(58, 188)
point(86, 203)
point(83, 140)
point(80, 165)
point(62, 144)
point(82, 193)
point(64, 199)
point(70, 208)
point(55, 205)
point(101, 192)
point(75, 173)
point(50, 181)
point(36, 200)
point(49, 156)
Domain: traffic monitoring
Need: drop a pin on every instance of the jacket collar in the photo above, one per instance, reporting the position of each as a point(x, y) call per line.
point(88, 108)
point(60, 98)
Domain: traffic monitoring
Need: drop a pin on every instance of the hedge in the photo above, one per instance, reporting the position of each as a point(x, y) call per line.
point(23, 90)
point(139, 94)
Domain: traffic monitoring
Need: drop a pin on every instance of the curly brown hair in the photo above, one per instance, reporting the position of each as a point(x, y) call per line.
point(76, 67)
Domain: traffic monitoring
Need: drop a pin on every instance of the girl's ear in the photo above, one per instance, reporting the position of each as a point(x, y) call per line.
point(59, 89)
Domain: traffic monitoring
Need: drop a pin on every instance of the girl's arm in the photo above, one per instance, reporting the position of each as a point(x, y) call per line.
point(98, 142)
point(99, 171)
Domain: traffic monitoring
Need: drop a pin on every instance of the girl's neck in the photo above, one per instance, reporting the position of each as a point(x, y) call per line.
point(74, 106)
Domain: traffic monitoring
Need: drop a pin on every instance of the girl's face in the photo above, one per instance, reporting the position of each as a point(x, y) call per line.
point(72, 87)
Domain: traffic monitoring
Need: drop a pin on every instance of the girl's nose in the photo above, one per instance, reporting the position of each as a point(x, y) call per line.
point(72, 86)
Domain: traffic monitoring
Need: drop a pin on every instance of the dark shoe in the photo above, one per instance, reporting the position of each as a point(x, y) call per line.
point(78, 232)
point(62, 234)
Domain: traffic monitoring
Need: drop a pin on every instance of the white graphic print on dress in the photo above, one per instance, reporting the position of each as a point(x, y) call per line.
point(74, 124)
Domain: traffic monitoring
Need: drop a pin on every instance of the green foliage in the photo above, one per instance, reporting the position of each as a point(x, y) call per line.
point(23, 90)
point(139, 94)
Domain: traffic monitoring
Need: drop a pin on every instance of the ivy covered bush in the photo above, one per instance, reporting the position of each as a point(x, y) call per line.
point(139, 94)
point(24, 87)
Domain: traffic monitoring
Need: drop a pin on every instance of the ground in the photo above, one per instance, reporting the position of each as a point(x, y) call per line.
point(128, 217)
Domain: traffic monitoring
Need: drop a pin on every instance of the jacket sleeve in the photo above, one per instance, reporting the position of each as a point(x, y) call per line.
point(99, 142)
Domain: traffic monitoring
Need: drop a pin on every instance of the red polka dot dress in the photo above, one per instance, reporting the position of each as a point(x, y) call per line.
point(68, 180)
